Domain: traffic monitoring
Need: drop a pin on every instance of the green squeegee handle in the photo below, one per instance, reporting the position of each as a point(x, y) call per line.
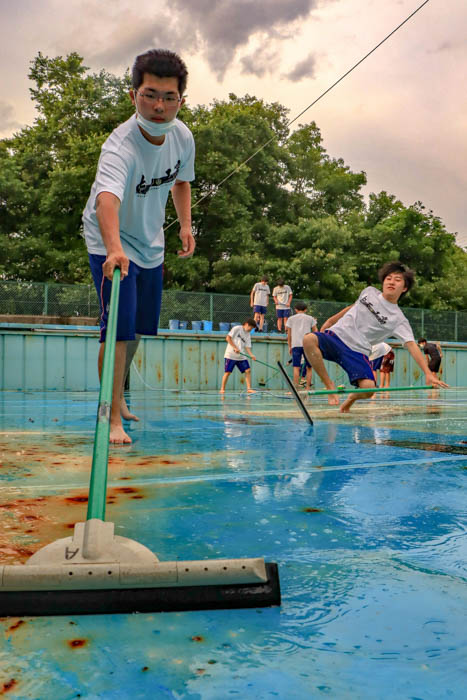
point(100, 455)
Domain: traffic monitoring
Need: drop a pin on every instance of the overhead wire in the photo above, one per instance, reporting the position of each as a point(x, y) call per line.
point(291, 121)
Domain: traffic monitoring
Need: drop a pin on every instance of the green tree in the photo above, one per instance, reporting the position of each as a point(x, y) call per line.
point(48, 169)
point(291, 210)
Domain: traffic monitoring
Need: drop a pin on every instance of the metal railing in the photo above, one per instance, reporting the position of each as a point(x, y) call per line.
point(67, 300)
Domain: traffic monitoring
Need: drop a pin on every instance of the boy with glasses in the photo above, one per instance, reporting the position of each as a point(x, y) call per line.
point(143, 159)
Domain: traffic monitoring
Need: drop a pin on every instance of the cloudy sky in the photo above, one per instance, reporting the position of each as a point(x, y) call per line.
point(401, 116)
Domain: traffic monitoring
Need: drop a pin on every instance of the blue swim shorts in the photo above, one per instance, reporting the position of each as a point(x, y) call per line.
point(297, 354)
point(356, 364)
point(139, 301)
point(376, 364)
point(259, 309)
point(229, 365)
point(282, 313)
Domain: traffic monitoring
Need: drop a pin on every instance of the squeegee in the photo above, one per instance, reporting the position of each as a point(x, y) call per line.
point(95, 571)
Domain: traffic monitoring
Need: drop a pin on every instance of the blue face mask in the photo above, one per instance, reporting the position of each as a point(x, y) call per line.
point(155, 128)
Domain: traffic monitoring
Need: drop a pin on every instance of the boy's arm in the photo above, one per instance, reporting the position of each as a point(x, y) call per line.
point(419, 358)
point(439, 349)
point(107, 209)
point(333, 319)
point(181, 195)
point(249, 352)
point(289, 302)
point(231, 342)
point(251, 295)
point(289, 338)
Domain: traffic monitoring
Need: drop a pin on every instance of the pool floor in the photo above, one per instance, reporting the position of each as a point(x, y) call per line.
point(364, 513)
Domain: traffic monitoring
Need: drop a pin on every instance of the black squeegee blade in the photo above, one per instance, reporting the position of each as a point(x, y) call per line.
point(130, 600)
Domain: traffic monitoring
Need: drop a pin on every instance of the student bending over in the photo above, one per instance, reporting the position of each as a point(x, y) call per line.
point(238, 341)
point(347, 337)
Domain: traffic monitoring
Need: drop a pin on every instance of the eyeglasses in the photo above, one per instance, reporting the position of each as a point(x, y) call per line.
point(169, 99)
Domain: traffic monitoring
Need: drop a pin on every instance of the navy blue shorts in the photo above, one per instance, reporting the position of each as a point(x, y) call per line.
point(229, 365)
point(376, 364)
point(283, 313)
point(356, 364)
point(139, 302)
point(297, 354)
point(259, 309)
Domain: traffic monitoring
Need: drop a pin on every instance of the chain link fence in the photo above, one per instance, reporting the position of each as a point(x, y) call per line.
point(75, 300)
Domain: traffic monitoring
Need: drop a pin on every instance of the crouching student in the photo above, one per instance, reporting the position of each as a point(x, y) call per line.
point(297, 326)
point(376, 356)
point(347, 337)
point(238, 341)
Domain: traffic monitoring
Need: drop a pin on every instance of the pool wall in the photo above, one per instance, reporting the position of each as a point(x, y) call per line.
point(65, 358)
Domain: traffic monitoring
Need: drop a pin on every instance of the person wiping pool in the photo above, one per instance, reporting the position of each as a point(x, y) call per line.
point(347, 337)
point(145, 158)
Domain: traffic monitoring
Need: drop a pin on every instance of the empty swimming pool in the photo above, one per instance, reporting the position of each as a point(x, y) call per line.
point(364, 513)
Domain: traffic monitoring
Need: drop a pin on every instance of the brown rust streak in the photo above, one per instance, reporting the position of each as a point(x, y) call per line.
point(77, 643)
point(16, 625)
point(9, 685)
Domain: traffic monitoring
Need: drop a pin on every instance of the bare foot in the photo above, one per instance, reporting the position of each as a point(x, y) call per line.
point(125, 413)
point(346, 406)
point(333, 400)
point(221, 391)
point(118, 436)
point(250, 391)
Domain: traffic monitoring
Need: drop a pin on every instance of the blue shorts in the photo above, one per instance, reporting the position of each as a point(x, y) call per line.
point(259, 309)
point(376, 364)
point(356, 364)
point(297, 354)
point(229, 365)
point(283, 313)
point(139, 302)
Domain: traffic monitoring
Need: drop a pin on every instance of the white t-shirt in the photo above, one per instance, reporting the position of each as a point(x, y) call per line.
point(261, 292)
point(379, 350)
point(300, 325)
point(283, 295)
point(371, 320)
point(141, 176)
point(241, 339)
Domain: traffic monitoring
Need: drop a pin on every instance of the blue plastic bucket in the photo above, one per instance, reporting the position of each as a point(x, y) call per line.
point(174, 325)
point(183, 325)
point(224, 327)
point(196, 325)
point(207, 325)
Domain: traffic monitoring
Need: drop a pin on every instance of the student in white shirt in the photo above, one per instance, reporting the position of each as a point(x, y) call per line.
point(238, 343)
point(143, 159)
point(282, 295)
point(376, 356)
point(347, 337)
point(259, 298)
point(297, 327)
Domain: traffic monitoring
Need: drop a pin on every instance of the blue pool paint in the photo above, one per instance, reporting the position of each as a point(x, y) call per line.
point(369, 532)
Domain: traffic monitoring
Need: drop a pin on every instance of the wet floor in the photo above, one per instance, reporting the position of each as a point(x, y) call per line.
point(365, 514)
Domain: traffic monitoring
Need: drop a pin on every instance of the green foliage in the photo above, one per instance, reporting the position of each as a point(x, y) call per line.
point(46, 171)
point(290, 211)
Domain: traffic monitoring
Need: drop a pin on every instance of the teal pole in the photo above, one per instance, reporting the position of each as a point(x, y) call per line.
point(100, 456)
point(320, 392)
point(260, 362)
